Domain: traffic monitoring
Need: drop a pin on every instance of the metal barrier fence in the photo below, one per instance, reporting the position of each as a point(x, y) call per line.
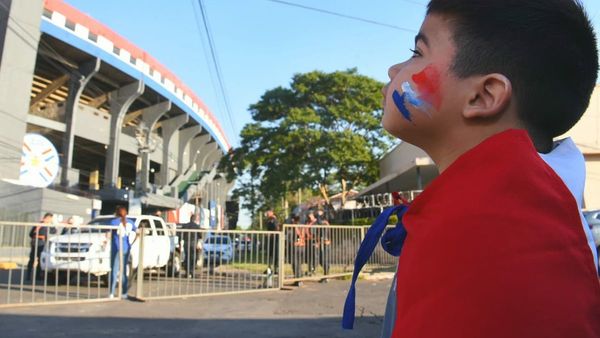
point(209, 262)
point(55, 264)
point(48, 264)
point(320, 252)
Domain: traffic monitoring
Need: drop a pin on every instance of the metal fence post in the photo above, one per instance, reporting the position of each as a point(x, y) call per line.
point(281, 257)
point(139, 292)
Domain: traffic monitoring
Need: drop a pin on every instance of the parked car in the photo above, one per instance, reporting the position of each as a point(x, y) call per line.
point(86, 249)
point(243, 243)
point(217, 249)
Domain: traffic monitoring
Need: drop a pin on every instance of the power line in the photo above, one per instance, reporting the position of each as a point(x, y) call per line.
point(351, 17)
point(208, 59)
point(217, 67)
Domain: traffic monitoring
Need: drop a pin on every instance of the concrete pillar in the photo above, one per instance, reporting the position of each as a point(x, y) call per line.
point(198, 146)
point(185, 136)
point(19, 38)
point(206, 151)
point(77, 83)
point(150, 117)
point(119, 101)
point(169, 127)
point(213, 156)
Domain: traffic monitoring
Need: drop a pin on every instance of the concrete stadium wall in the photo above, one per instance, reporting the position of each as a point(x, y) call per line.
point(27, 204)
point(19, 50)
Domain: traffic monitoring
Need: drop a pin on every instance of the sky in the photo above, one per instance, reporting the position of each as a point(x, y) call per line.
point(261, 44)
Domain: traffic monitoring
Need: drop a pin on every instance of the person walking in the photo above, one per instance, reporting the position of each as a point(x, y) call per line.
point(120, 249)
point(39, 235)
point(190, 239)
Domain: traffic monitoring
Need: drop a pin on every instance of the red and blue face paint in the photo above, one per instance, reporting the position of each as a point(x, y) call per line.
point(424, 98)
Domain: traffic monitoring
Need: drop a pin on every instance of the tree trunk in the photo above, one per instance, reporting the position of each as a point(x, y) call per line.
point(324, 192)
point(344, 192)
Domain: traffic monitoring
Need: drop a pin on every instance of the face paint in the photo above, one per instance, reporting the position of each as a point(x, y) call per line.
point(399, 102)
point(413, 98)
point(428, 85)
point(426, 95)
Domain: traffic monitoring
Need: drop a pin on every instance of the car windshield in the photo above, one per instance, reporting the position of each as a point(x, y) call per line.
point(217, 240)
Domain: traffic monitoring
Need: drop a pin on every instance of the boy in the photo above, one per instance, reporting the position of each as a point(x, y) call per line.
point(496, 246)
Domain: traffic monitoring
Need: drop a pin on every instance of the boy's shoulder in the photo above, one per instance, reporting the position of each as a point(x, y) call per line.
point(503, 174)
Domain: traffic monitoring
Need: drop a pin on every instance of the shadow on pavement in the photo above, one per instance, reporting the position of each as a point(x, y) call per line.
point(55, 326)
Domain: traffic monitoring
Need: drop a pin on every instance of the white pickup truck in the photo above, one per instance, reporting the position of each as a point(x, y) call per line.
point(86, 249)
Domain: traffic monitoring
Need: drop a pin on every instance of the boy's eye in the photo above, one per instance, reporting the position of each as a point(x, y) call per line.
point(415, 52)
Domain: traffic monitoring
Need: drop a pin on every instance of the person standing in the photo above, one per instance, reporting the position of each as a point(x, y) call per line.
point(299, 235)
point(323, 243)
point(121, 249)
point(311, 244)
point(273, 242)
point(39, 236)
point(190, 239)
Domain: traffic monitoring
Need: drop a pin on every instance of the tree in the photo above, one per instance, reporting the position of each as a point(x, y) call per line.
point(322, 133)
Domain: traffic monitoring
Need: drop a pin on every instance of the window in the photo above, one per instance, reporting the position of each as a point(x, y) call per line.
point(160, 230)
point(47, 14)
point(218, 240)
point(92, 36)
point(116, 50)
point(145, 224)
point(70, 25)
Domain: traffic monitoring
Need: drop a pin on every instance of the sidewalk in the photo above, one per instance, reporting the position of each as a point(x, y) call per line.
point(313, 310)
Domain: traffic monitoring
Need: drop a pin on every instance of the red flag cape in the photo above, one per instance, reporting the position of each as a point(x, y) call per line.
point(496, 249)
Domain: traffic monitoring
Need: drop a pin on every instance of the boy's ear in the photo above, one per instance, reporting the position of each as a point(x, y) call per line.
point(490, 95)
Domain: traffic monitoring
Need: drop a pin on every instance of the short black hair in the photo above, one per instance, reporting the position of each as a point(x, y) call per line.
point(48, 214)
point(547, 49)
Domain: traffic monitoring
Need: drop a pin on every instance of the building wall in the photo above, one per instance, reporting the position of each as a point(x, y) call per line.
point(586, 134)
point(19, 50)
point(592, 184)
point(403, 157)
point(28, 204)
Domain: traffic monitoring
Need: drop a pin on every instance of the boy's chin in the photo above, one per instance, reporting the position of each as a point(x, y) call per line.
point(397, 127)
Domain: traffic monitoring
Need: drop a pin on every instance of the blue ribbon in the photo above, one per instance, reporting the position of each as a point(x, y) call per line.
point(392, 242)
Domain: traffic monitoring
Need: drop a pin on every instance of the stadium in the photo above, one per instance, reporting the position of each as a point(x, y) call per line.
point(90, 121)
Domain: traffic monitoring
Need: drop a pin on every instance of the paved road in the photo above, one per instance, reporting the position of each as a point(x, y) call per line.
point(310, 311)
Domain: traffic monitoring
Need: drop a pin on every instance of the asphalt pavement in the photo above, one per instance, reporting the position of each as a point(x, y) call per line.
point(313, 310)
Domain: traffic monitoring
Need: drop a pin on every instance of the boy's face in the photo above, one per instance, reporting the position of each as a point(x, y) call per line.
point(422, 99)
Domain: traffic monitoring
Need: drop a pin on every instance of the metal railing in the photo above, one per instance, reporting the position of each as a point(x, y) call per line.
point(320, 252)
point(209, 262)
point(51, 264)
point(56, 264)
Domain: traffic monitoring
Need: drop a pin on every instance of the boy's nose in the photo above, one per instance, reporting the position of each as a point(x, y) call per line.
point(393, 70)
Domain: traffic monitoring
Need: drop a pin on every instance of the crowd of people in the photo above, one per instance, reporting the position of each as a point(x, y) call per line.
point(308, 244)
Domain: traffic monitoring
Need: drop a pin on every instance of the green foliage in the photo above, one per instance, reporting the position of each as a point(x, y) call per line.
point(322, 133)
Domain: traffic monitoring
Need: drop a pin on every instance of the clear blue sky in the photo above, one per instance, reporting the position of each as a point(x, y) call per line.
point(261, 44)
